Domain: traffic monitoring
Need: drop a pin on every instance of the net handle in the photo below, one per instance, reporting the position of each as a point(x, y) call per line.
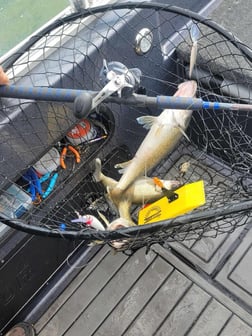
point(131, 232)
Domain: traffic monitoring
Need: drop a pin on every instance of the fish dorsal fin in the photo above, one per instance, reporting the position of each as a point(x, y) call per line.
point(146, 121)
point(183, 132)
point(103, 218)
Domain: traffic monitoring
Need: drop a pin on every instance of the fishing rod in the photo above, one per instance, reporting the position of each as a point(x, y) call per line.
point(120, 85)
point(84, 99)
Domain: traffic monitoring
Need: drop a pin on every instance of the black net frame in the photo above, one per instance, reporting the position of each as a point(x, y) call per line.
point(69, 54)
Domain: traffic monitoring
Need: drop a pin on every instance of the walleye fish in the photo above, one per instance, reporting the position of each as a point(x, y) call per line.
point(194, 33)
point(142, 190)
point(164, 134)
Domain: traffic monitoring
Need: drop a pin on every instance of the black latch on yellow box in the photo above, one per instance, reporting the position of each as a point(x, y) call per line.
point(188, 197)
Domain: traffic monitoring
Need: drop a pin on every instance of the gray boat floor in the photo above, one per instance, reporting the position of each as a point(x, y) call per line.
point(159, 293)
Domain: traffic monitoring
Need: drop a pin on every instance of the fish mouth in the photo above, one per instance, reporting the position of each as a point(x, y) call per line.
point(119, 223)
point(184, 91)
point(172, 185)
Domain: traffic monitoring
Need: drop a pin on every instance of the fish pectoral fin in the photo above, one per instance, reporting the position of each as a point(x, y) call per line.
point(122, 166)
point(183, 132)
point(146, 121)
point(158, 189)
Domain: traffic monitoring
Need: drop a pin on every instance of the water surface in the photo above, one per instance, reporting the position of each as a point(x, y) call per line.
point(19, 18)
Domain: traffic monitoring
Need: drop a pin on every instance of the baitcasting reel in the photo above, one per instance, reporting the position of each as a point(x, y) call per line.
point(116, 79)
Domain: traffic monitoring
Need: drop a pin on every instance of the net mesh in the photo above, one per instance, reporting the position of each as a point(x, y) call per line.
point(70, 55)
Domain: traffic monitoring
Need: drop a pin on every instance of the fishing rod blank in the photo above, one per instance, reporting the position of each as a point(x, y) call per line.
point(85, 99)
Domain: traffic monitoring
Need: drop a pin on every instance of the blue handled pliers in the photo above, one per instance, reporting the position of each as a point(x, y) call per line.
point(35, 188)
point(51, 184)
point(34, 183)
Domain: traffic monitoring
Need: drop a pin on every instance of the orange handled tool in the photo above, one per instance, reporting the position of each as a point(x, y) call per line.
point(64, 153)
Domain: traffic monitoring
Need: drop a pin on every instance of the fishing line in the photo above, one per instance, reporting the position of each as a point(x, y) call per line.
point(71, 266)
point(168, 83)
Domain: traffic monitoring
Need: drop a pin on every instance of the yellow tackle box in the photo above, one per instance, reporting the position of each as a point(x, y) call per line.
point(188, 197)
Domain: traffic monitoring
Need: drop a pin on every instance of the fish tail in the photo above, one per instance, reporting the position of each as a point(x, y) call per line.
point(195, 34)
point(97, 173)
point(193, 57)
